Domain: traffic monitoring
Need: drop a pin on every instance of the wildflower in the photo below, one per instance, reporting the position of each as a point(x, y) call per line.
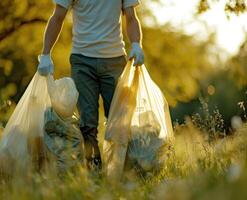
point(241, 105)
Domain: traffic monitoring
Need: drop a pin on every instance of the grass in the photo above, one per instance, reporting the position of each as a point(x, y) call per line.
point(195, 169)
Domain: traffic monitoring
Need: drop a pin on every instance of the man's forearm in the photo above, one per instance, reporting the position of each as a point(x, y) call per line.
point(133, 28)
point(53, 29)
point(134, 33)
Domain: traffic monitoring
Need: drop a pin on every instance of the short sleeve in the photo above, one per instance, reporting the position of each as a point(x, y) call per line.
point(64, 3)
point(130, 3)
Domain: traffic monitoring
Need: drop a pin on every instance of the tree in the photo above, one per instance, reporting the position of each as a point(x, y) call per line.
point(19, 13)
point(237, 65)
point(176, 62)
point(231, 6)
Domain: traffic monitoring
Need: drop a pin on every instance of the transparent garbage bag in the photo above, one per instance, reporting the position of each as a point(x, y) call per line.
point(138, 126)
point(22, 139)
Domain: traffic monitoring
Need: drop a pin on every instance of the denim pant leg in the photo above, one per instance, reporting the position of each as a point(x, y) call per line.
point(84, 74)
point(110, 71)
point(86, 80)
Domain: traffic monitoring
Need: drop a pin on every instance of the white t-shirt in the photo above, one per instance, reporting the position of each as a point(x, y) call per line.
point(97, 28)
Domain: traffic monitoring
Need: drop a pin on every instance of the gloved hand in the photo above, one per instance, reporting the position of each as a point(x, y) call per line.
point(136, 53)
point(45, 66)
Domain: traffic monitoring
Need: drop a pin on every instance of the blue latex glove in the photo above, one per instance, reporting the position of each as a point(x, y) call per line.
point(45, 66)
point(137, 54)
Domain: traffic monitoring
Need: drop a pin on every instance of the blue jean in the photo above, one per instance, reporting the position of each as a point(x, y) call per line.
point(94, 77)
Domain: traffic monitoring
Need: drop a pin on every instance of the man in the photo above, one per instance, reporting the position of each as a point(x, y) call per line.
point(98, 56)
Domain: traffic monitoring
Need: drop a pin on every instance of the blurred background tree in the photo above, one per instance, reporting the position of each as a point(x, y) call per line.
point(183, 66)
point(231, 6)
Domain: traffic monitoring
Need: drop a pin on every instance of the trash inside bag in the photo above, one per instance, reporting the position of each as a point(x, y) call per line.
point(22, 139)
point(63, 141)
point(145, 147)
point(139, 125)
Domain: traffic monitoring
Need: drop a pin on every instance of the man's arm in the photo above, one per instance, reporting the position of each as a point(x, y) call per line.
point(135, 35)
point(53, 28)
point(133, 25)
point(52, 31)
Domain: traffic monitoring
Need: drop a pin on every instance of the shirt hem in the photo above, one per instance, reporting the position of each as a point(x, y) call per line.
point(132, 4)
point(98, 55)
point(63, 4)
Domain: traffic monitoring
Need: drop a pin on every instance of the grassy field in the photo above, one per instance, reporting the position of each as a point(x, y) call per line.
point(195, 169)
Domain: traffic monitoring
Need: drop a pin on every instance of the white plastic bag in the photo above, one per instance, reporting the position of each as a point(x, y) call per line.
point(22, 139)
point(63, 95)
point(138, 126)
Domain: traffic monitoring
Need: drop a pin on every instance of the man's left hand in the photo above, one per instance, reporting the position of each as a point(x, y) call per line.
point(137, 54)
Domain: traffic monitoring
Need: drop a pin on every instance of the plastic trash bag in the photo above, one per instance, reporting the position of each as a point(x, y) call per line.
point(64, 95)
point(22, 140)
point(138, 126)
point(23, 137)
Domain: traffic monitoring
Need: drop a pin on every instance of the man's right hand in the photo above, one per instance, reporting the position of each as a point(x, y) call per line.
point(45, 66)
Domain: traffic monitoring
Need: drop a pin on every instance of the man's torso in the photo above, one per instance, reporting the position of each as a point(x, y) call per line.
point(97, 28)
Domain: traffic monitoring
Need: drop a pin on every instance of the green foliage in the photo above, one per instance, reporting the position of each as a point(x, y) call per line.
point(237, 66)
point(210, 124)
point(220, 91)
point(176, 62)
point(231, 6)
point(196, 169)
point(18, 13)
point(203, 6)
point(237, 6)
